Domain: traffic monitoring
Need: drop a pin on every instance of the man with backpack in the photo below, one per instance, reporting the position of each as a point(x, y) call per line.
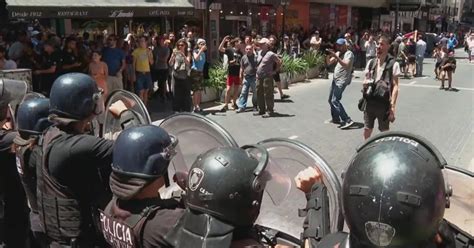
point(380, 89)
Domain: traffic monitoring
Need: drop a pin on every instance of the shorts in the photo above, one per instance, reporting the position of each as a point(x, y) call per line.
point(233, 80)
point(144, 81)
point(376, 111)
point(197, 78)
point(276, 77)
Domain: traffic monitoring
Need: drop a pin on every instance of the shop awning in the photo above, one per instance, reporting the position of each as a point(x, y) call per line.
point(98, 8)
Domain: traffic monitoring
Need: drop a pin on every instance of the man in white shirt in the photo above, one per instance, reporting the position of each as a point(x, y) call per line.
point(382, 68)
point(370, 47)
point(420, 55)
point(6, 64)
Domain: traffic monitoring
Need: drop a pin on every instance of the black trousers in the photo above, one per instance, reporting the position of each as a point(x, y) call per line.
point(182, 95)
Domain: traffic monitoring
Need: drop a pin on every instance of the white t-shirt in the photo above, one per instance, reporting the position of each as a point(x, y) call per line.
point(470, 43)
point(370, 48)
point(368, 71)
point(8, 65)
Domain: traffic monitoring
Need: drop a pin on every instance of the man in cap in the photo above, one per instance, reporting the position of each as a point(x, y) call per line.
point(342, 78)
point(268, 64)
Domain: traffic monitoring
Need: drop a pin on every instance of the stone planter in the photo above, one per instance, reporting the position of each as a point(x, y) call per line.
point(298, 78)
point(313, 73)
point(284, 80)
point(209, 95)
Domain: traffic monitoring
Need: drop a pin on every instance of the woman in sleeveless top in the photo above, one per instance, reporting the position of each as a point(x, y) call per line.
point(99, 71)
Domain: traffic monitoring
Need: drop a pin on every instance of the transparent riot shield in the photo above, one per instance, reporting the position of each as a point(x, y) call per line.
point(12, 93)
point(460, 213)
point(292, 157)
point(112, 125)
point(196, 134)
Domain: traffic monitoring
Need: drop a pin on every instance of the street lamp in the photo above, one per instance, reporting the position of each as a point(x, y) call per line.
point(284, 4)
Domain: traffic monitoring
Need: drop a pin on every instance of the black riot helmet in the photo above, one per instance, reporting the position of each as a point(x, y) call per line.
point(32, 117)
point(74, 97)
point(228, 183)
point(394, 193)
point(141, 154)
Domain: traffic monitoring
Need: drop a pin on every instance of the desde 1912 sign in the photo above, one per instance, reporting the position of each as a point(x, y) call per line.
point(31, 12)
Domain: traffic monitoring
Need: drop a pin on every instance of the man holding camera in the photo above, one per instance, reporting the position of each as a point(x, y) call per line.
point(380, 89)
point(342, 77)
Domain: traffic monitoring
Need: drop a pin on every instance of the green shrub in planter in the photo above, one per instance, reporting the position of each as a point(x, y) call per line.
point(314, 59)
point(293, 66)
point(217, 77)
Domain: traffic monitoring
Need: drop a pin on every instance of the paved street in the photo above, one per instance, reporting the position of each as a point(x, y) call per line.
point(445, 118)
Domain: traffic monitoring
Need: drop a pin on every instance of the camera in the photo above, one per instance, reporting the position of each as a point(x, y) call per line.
point(369, 89)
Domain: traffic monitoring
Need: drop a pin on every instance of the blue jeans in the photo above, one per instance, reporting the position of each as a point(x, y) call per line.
point(337, 110)
point(249, 82)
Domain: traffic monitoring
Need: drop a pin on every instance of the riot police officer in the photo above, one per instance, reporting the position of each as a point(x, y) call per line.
point(223, 197)
point(72, 181)
point(13, 205)
point(393, 195)
point(137, 216)
point(32, 120)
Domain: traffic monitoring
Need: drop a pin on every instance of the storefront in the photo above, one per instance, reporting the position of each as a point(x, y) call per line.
point(119, 17)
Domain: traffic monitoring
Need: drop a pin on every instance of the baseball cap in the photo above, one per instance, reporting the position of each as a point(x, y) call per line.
point(341, 41)
point(199, 41)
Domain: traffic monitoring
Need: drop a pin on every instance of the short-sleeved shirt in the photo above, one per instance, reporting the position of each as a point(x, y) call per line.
point(371, 48)
point(8, 65)
point(341, 74)
point(48, 61)
point(68, 58)
point(266, 64)
point(470, 43)
point(141, 55)
point(161, 55)
point(249, 65)
point(452, 42)
point(198, 64)
point(113, 57)
point(233, 54)
point(420, 48)
point(401, 48)
point(368, 71)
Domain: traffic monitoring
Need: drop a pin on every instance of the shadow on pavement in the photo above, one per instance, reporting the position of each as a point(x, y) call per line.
point(356, 125)
point(284, 100)
point(276, 115)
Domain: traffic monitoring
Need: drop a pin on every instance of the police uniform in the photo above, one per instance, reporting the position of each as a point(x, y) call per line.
point(47, 79)
point(141, 157)
point(149, 220)
point(13, 205)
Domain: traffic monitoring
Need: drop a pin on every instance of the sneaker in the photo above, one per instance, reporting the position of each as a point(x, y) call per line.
point(225, 108)
point(240, 110)
point(347, 125)
point(259, 113)
point(284, 96)
point(269, 114)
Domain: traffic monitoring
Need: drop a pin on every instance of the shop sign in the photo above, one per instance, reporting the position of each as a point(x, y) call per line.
point(121, 14)
point(26, 14)
point(73, 13)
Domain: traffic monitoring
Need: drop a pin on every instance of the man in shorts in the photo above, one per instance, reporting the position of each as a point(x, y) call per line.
point(142, 58)
point(384, 67)
point(231, 49)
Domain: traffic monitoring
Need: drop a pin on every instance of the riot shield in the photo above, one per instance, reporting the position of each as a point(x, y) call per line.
point(196, 134)
point(113, 126)
point(11, 95)
point(460, 214)
point(292, 157)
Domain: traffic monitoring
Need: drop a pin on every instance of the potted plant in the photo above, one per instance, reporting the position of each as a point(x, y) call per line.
point(315, 61)
point(215, 83)
point(294, 68)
